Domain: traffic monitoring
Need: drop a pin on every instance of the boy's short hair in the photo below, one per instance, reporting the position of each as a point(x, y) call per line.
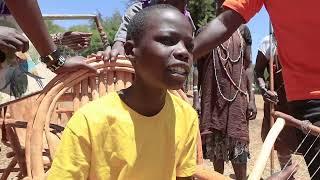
point(139, 22)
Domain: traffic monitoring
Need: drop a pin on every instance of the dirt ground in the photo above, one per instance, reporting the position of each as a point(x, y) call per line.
point(255, 146)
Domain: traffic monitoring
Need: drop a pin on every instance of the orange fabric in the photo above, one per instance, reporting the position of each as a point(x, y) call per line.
point(296, 26)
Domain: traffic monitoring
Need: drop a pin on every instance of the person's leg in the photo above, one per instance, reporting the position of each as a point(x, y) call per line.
point(216, 150)
point(239, 156)
point(218, 165)
point(309, 110)
point(240, 170)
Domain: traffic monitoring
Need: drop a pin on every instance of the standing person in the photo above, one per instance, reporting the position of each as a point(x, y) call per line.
point(286, 140)
point(225, 89)
point(303, 68)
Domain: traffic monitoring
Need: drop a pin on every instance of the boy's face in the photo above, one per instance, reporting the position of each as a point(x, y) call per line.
point(179, 4)
point(164, 54)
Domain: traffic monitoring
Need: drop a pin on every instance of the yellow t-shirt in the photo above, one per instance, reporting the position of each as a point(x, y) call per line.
point(106, 139)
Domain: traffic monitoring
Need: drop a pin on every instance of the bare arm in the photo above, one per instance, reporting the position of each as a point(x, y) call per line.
point(249, 72)
point(217, 31)
point(261, 65)
point(34, 27)
point(32, 24)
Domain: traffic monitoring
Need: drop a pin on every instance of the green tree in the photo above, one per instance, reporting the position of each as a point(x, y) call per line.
point(202, 11)
point(53, 28)
point(111, 25)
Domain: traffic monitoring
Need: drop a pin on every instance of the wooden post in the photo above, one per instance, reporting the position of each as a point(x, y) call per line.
point(271, 61)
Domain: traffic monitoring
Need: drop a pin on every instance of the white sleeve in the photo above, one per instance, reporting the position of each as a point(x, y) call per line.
point(266, 45)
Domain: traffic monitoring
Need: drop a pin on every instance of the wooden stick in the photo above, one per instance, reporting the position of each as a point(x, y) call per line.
point(76, 99)
point(119, 81)
point(84, 92)
point(271, 70)
point(266, 150)
point(8, 170)
point(290, 120)
point(102, 86)
point(93, 86)
point(110, 81)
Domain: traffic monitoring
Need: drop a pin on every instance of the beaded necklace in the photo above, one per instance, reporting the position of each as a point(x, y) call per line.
point(238, 87)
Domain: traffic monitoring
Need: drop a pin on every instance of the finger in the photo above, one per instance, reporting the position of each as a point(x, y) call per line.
point(85, 34)
point(77, 33)
point(87, 66)
point(25, 42)
point(114, 54)
point(7, 48)
point(107, 54)
point(99, 54)
point(14, 42)
point(75, 39)
point(79, 41)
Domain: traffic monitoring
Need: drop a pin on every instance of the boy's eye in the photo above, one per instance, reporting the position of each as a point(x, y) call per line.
point(168, 41)
point(189, 46)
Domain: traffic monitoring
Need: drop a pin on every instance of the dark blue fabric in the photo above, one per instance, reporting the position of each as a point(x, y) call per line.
point(4, 9)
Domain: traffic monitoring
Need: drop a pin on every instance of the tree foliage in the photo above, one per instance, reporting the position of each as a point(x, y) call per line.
point(110, 27)
point(202, 11)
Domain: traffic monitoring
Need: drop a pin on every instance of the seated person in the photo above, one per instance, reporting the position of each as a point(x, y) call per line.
point(142, 132)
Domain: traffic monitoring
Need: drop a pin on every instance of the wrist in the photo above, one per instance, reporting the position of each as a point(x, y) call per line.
point(54, 60)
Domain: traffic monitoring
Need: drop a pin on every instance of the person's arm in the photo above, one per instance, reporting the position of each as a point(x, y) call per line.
point(34, 27)
point(216, 32)
point(72, 39)
point(252, 109)
point(32, 24)
point(121, 35)
point(261, 64)
point(12, 41)
point(259, 69)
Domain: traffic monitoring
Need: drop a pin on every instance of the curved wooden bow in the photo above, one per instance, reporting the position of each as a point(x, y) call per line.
point(282, 120)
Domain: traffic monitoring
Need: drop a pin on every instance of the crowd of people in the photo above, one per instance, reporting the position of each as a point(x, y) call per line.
point(144, 131)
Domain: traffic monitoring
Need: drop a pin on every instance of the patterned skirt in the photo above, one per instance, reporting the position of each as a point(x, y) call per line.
point(220, 147)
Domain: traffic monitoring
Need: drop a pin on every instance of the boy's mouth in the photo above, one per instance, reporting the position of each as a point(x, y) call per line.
point(178, 70)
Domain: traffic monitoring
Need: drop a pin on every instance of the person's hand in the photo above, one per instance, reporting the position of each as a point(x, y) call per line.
point(76, 40)
point(270, 96)
point(74, 64)
point(12, 41)
point(112, 54)
point(286, 173)
point(251, 111)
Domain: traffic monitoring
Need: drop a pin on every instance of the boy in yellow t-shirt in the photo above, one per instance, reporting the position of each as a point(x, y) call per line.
point(142, 132)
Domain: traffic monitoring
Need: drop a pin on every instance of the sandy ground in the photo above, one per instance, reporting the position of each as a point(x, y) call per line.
point(255, 145)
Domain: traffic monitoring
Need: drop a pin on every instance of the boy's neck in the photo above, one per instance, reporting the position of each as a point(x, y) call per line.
point(144, 100)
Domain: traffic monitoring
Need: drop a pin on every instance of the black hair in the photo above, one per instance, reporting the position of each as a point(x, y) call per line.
point(138, 24)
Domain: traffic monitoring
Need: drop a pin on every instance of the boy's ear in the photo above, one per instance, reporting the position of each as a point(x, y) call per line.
point(129, 49)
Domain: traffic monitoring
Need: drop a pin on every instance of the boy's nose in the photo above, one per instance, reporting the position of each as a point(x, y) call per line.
point(181, 53)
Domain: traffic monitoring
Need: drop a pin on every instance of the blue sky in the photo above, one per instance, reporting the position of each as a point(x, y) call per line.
point(259, 25)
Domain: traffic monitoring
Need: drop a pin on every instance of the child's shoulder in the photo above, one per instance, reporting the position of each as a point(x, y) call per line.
point(182, 106)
